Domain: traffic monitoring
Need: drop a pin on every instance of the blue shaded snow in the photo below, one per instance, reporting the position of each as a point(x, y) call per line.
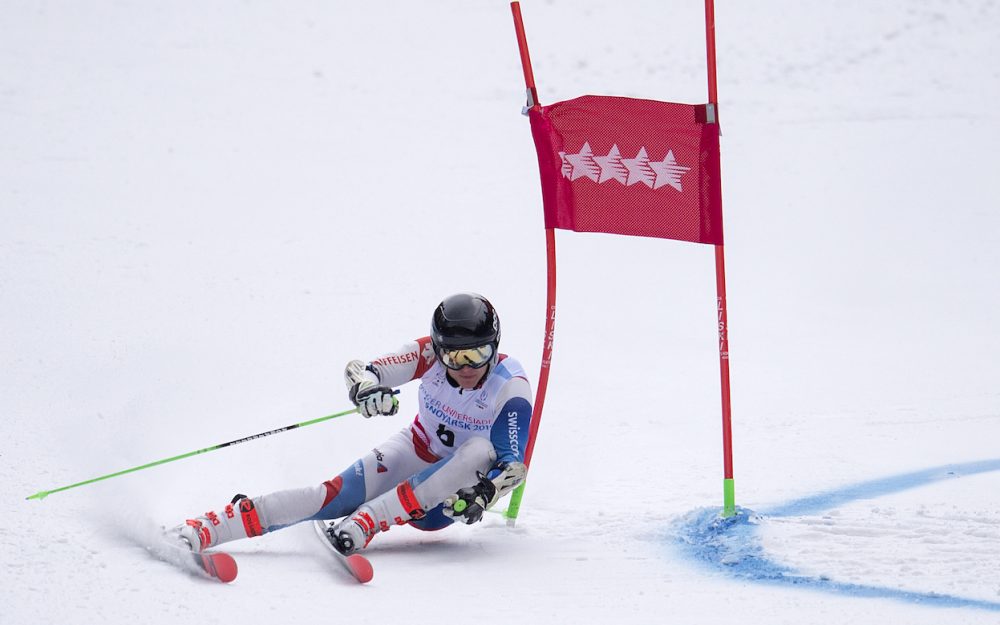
point(733, 547)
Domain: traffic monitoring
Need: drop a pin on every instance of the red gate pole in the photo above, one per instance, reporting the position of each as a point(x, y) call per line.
point(728, 488)
point(550, 249)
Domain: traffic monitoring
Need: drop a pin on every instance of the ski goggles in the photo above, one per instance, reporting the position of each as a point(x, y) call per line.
point(475, 357)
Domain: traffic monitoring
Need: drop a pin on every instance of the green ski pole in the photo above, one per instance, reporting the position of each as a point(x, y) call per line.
point(45, 493)
point(514, 506)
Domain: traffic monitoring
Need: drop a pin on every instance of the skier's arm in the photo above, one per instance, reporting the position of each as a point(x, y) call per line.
point(409, 362)
point(509, 433)
point(509, 436)
point(370, 385)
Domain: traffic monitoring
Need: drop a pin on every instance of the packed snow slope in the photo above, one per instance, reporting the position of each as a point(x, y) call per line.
point(206, 209)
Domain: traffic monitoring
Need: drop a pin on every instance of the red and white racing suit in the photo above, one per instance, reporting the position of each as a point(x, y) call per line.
point(456, 434)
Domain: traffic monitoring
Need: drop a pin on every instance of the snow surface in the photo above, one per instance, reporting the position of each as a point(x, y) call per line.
point(208, 208)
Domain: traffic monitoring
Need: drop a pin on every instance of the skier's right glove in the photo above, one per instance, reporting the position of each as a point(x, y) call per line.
point(366, 392)
point(373, 399)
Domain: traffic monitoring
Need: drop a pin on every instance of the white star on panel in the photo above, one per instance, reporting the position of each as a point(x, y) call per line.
point(567, 169)
point(668, 172)
point(639, 169)
point(583, 164)
point(611, 166)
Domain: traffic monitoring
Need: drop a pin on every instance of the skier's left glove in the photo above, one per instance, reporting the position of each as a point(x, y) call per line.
point(468, 504)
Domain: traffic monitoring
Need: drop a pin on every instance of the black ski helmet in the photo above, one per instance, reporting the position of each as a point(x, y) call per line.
point(465, 320)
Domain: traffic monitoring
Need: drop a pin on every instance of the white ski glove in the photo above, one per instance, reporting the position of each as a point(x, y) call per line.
point(372, 399)
point(366, 393)
point(468, 504)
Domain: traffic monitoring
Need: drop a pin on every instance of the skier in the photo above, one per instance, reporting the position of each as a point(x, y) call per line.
point(462, 453)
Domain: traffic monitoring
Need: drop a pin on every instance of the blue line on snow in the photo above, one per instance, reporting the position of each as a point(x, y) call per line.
point(878, 488)
point(732, 546)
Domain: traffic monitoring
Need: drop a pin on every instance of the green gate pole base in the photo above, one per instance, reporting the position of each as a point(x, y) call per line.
point(728, 498)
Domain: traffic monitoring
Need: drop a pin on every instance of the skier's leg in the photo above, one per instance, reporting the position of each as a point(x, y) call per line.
point(376, 472)
point(379, 471)
point(411, 500)
point(434, 520)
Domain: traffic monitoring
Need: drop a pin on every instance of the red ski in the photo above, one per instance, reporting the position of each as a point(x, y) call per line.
point(215, 564)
